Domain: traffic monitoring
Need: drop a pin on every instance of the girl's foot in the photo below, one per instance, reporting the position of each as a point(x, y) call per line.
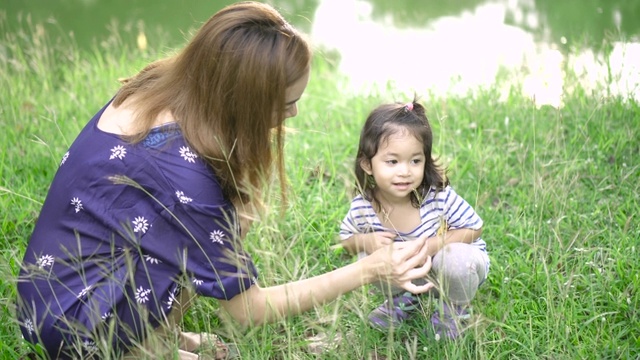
point(392, 314)
point(448, 321)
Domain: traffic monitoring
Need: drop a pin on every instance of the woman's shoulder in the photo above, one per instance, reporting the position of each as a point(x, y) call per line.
point(162, 162)
point(187, 174)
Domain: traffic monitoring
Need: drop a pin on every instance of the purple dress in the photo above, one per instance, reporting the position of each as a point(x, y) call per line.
point(123, 228)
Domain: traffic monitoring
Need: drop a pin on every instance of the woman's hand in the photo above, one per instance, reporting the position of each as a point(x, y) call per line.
point(401, 262)
point(397, 264)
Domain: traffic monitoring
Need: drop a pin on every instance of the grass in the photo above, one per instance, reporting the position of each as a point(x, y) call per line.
point(558, 190)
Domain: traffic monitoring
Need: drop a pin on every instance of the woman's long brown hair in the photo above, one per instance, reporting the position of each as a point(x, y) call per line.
point(226, 90)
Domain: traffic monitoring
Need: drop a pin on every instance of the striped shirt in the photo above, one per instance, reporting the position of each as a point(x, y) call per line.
point(437, 208)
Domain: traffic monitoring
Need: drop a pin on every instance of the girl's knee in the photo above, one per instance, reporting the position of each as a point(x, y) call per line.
point(452, 253)
point(458, 261)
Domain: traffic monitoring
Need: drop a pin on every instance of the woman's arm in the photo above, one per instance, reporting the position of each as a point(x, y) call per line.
point(398, 264)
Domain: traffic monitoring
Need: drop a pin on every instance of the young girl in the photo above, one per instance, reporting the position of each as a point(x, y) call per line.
point(403, 195)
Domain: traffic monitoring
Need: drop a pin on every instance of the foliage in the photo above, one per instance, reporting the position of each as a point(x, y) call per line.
point(557, 189)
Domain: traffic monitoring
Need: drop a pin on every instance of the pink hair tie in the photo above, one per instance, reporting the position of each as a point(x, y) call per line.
point(408, 107)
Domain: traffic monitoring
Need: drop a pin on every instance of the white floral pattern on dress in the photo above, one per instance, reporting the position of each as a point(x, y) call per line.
point(84, 292)
point(119, 152)
point(142, 295)
point(186, 154)
point(172, 297)
point(28, 324)
point(45, 261)
point(197, 282)
point(64, 158)
point(216, 236)
point(183, 199)
point(89, 345)
point(151, 260)
point(140, 224)
point(106, 316)
point(77, 203)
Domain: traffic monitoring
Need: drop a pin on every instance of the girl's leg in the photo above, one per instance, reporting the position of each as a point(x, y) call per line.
point(460, 268)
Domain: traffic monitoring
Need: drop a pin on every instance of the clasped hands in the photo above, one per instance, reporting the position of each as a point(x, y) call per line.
point(400, 262)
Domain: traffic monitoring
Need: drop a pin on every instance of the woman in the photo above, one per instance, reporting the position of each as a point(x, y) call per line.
point(146, 205)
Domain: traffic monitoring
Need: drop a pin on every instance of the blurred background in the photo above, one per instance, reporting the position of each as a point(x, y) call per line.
point(427, 45)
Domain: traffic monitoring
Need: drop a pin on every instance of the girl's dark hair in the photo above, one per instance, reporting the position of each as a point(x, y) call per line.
point(224, 89)
point(389, 119)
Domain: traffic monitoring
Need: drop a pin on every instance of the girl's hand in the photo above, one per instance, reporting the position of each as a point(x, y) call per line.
point(377, 240)
point(401, 262)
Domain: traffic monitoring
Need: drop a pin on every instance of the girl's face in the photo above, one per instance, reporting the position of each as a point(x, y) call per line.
point(397, 167)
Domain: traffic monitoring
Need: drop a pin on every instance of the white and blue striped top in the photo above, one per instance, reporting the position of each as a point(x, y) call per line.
point(438, 207)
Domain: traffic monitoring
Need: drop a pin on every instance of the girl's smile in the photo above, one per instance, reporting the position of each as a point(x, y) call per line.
point(403, 186)
point(398, 166)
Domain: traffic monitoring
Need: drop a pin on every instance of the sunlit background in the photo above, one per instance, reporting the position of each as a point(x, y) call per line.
point(457, 53)
point(446, 47)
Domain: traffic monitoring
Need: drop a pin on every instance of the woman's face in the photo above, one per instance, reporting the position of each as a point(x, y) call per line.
point(292, 96)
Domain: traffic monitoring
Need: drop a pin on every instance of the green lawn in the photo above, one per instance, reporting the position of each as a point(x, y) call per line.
point(558, 190)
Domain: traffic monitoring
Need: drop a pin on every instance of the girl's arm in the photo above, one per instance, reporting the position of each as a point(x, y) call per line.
point(435, 243)
point(461, 223)
point(368, 243)
point(398, 264)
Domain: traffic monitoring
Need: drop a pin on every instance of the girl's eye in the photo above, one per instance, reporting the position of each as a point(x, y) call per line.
point(392, 162)
point(416, 161)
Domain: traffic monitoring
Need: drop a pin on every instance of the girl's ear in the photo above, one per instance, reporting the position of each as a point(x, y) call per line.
point(365, 165)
